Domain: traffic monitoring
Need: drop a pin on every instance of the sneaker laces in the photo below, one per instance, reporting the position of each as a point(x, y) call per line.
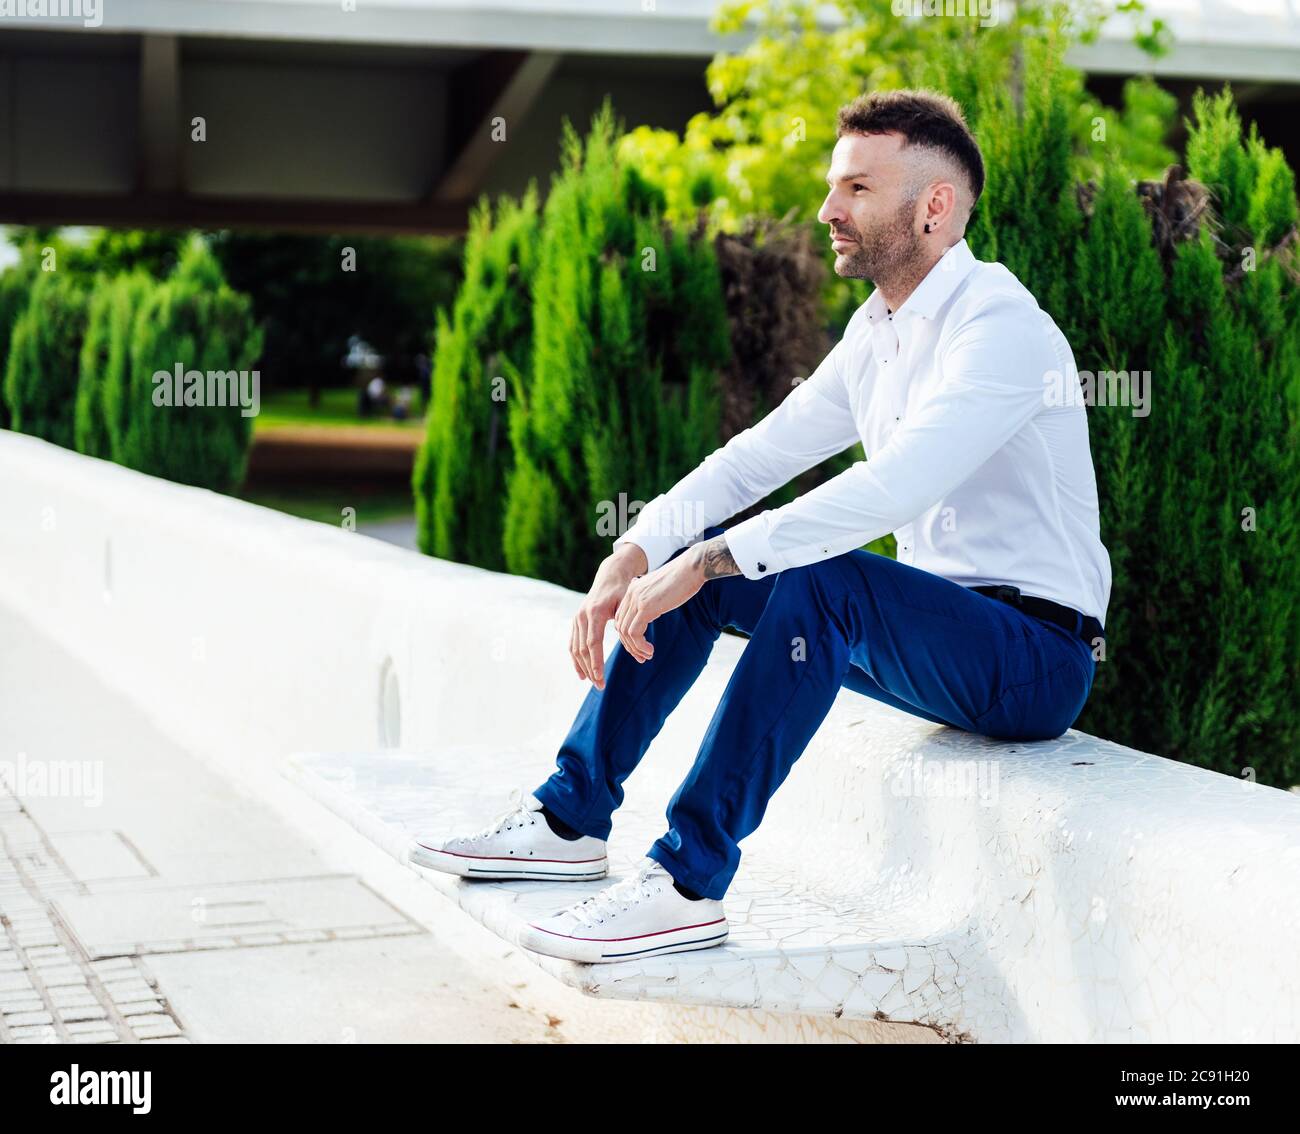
point(518, 809)
point(594, 910)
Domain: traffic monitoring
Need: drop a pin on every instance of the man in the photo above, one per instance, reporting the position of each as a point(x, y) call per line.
point(987, 620)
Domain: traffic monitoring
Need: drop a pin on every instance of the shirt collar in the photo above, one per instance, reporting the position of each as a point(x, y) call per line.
point(934, 290)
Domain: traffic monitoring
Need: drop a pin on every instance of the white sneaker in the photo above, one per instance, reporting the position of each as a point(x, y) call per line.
point(640, 916)
point(518, 844)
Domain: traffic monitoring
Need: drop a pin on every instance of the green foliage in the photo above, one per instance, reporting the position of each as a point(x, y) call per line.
point(1133, 133)
point(15, 291)
point(577, 367)
point(1199, 496)
point(629, 331)
point(40, 379)
point(152, 251)
point(195, 320)
point(102, 389)
point(767, 146)
point(461, 469)
point(90, 427)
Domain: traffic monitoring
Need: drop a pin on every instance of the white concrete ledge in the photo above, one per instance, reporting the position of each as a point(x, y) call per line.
point(1073, 890)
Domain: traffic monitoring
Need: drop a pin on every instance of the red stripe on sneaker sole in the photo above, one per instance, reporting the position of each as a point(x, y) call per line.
point(509, 858)
point(637, 937)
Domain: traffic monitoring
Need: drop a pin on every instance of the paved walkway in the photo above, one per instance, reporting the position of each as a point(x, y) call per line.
point(144, 899)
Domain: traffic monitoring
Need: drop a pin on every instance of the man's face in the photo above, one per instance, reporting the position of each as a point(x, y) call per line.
point(872, 222)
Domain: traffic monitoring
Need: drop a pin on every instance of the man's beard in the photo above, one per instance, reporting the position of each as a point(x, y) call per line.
point(887, 253)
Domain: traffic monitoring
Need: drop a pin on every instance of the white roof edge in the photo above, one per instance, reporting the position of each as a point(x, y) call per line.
point(427, 24)
point(1213, 39)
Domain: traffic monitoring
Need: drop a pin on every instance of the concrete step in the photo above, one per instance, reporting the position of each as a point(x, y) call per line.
point(884, 952)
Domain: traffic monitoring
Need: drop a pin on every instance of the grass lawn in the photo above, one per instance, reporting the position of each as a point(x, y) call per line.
point(326, 503)
point(337, 407)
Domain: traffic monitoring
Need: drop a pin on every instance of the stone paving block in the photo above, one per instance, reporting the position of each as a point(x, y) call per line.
point(134, 990)
point(21, 1019)
point(72, 997)
point(88, 1012)
point(163, 920)
point(14, 982)
point(38, 1032)
point(138, 1007)
point(157, 1031)
point(69, 974)
point(150, 1019)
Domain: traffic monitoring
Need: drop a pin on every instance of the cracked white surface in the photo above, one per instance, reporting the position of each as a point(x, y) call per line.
point(1072, 890)
point(1100, 895)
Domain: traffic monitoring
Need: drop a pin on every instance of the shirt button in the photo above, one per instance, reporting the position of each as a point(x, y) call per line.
point(762, 566)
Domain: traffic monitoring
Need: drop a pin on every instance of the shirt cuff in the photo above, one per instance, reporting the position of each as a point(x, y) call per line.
point(658, 549)
point(751, 549)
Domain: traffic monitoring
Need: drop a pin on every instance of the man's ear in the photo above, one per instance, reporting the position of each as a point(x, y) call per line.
point(941, 203)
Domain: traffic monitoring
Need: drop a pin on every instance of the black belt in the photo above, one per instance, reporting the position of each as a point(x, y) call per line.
point(1087, 627)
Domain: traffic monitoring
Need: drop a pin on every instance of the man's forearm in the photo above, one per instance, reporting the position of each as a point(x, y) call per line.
point(713, 558)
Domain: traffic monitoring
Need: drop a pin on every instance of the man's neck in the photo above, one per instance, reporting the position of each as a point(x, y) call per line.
point(898, 286)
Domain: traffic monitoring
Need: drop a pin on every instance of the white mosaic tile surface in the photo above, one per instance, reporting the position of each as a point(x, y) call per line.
point(1071, 890)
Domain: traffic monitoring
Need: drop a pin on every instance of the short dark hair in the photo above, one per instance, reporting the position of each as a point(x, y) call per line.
point(924, 118)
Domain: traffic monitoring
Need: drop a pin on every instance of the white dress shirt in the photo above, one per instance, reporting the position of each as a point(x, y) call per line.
point(974, 461)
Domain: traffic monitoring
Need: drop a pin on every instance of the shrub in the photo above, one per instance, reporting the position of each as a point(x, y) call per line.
point(629, 332)
point(40, 380)
point(1199, 496)
point(105, 359)
point(196, 321)
point(462, 467)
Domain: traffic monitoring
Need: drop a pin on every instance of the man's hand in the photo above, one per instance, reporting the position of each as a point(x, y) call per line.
point(666, 589)
point(587, 637)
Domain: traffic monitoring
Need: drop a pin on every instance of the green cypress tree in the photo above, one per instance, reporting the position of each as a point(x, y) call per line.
point(90, 427)
point(629, 332)
point(40, 380)
point(196, 321)
point(461, 469)
point(101, 400)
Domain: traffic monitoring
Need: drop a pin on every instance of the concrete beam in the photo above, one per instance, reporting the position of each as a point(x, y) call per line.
point(160, 89)
point(176, 210)
point(501, 84)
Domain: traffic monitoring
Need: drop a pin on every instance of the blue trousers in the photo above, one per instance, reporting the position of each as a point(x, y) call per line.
point(904, 636)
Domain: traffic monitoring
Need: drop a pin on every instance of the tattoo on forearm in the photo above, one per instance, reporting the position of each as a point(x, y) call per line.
point(715, 558)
